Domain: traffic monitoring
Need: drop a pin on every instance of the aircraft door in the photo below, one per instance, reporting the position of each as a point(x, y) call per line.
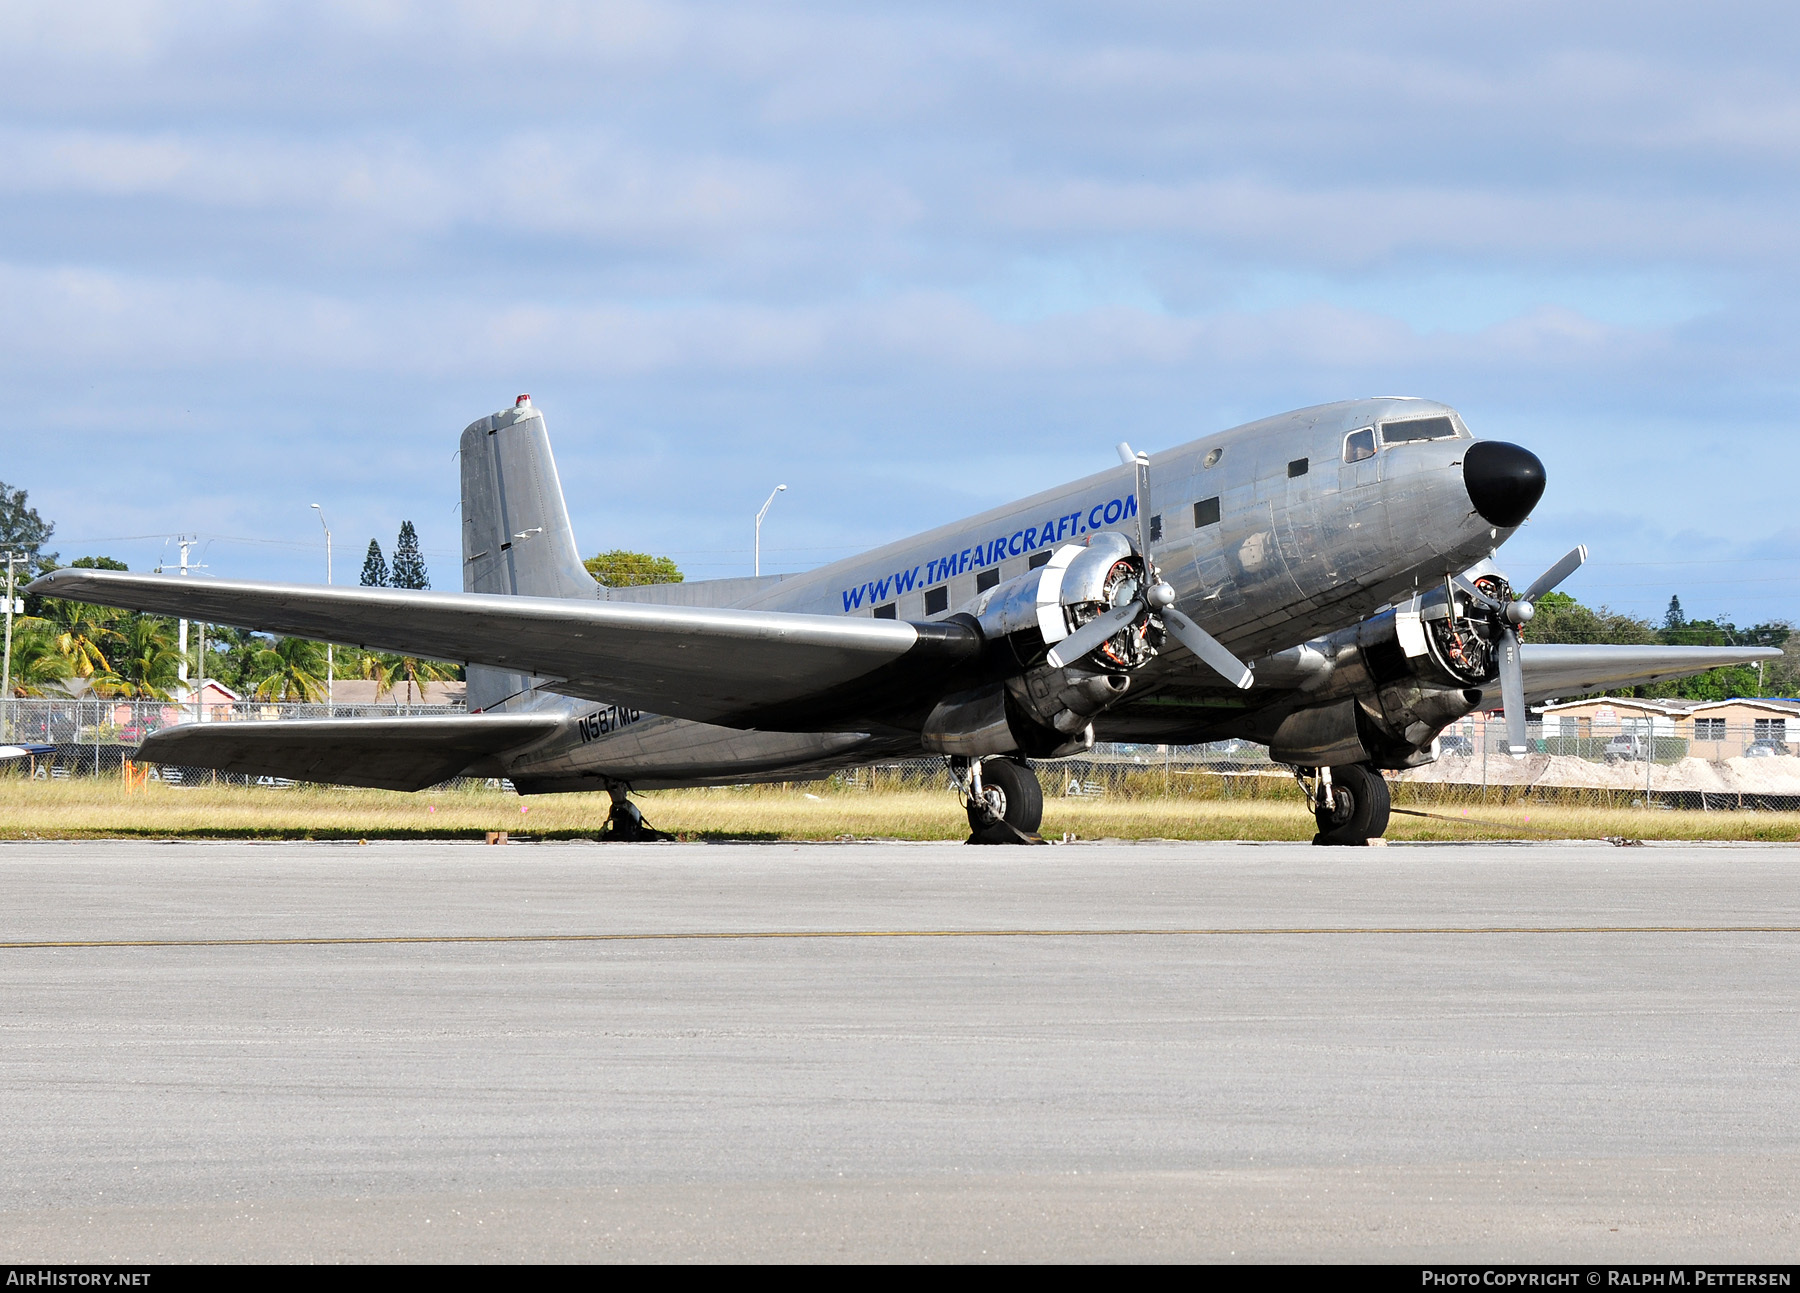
point(1355, 522)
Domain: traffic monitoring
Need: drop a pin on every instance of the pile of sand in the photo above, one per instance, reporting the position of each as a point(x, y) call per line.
point(1776, 776)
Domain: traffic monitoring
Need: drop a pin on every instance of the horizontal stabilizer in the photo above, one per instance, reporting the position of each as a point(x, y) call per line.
point(385, 753)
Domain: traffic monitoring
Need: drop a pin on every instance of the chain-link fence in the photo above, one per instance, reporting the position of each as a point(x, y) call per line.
point(1726, 765)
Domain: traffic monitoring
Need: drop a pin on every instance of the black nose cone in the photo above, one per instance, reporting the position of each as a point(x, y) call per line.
point(1504, 481)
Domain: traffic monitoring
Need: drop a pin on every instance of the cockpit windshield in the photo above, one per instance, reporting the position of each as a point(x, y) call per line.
point(1359, 445)
point(1440, 428)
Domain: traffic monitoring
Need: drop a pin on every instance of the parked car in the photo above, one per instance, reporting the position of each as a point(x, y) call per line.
point(1631, 745)
point(1766, 749)
point(1451, 743)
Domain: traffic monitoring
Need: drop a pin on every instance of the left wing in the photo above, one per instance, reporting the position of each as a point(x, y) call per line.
point(736, 668)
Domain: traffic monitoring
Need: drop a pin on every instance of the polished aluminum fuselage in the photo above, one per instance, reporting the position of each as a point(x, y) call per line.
point(1296, 553)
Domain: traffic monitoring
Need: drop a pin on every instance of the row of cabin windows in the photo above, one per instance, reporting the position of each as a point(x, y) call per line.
point(1357, 446)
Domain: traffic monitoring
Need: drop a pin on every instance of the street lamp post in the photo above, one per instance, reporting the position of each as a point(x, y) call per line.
point(759, 520)
point(330, 691)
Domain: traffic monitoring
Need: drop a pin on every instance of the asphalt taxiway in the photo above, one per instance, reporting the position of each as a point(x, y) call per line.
point(870, 1051)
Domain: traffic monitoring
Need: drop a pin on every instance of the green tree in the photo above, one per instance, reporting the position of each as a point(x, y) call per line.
point(36, 662)
point(84, 634)
point(23, 531)
point(1673, 618)
point(144, 658)
point(409, 563)
point(98, 563)
point(621, 569)
point(389, 671)
point(375, 567)
point(1560, 618)
point(290, 669)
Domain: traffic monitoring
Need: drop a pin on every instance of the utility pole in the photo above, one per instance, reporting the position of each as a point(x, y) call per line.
point(181, 669)
point(757, 568)
point(6, 669)
point(330, 690)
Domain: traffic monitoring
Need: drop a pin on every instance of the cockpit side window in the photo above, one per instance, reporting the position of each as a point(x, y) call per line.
point(1441, 428)
point(1359, 445)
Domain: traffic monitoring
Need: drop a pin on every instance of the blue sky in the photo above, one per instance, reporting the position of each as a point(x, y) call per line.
point(910, 260)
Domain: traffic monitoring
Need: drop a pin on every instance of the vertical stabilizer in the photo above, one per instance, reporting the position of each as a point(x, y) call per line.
point(516, 534)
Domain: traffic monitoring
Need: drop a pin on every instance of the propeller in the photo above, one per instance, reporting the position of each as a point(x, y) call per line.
point(1508, 617)
point(1156, 597)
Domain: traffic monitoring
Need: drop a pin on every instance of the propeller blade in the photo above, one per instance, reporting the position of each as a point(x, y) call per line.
point(1093, 633)
point(1142, 463)
point(1207, 648)
point(1126, 456)
point(1469, 588)
point(1512, 693)
point(1555, 575)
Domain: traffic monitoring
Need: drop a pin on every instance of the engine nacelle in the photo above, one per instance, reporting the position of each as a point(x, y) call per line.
point(1034, 611)
point(1382, 691)
point(1042, 711)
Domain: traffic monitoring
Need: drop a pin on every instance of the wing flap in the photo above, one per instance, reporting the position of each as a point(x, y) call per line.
point(718, 665)
point(384, 753)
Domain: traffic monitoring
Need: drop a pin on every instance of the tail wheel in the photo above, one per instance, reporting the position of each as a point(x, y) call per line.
point(1009, 792)
point(1359, 806)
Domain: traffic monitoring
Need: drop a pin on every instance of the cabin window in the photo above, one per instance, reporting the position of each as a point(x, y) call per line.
point(1156, 527)
point(888, 612)
point(1709, 729)
point(1297, 468)
point(987, 579)
point(1418, 429)
point(1206, 512)
point(1038, 559)
point(1359, 445)
point(937, 600)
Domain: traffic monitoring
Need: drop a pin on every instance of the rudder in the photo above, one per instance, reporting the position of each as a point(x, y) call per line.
point(517, 539)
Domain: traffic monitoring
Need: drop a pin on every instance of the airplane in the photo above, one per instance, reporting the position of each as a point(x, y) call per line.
point(1323, 582)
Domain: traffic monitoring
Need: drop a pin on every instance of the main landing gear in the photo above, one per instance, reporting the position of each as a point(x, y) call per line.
point(1003, 798)
point(1350, 803)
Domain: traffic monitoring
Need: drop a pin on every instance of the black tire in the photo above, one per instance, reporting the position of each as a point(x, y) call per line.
point(1359, 806)
point(1015, 786)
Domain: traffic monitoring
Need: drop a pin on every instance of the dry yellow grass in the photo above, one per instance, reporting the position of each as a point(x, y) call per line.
point(78, 809)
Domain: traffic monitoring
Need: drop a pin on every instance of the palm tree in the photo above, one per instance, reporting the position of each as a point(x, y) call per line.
point(83, 634)
point(147, 663)
point(292, 669)
point(416, 671)
point(36, 661)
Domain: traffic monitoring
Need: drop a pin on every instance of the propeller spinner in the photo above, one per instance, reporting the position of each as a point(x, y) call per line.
point(1156, 598)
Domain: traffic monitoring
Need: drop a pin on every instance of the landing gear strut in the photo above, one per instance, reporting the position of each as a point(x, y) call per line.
point(1350, 803)
point(1005, 803)
point(627, 825)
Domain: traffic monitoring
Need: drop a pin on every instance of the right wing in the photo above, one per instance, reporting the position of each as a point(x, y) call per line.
point(1555, 669)
point(736, 668)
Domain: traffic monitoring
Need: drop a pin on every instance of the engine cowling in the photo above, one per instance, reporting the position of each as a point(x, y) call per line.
point(1385, 688)
point(1040, 710)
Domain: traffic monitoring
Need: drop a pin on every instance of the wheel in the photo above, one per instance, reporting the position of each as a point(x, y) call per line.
point(1359, 806)
point(1010, 793)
